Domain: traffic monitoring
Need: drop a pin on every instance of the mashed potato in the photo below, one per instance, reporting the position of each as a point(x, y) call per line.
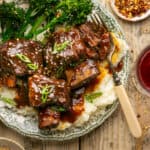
point(105, 86)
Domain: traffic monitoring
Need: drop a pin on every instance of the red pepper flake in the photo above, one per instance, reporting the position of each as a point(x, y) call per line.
point(132, 8)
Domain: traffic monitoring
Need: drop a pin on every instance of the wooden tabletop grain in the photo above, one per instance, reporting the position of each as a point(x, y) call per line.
point(114, 133)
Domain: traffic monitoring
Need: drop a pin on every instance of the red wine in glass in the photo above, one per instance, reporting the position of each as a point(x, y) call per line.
point(143, 69)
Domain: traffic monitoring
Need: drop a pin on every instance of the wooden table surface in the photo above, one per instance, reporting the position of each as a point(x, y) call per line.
point(114, 133)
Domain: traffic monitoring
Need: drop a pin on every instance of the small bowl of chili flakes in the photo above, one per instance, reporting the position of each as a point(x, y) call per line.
point(131, 10)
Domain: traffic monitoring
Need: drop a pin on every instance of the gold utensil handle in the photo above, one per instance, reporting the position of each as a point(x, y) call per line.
point(129, 113)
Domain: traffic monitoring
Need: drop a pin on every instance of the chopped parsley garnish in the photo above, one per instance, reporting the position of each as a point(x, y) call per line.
point(26, 60)
point(46, 90)
point(8, 100)
point(60, 47)
point(92, 96)
point(58, 108)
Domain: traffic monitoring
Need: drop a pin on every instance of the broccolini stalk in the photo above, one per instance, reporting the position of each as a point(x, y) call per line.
point(41, 17)
point(39, 12)
point(71, 12)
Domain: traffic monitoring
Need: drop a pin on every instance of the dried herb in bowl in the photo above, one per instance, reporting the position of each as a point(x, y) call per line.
point(132, 8)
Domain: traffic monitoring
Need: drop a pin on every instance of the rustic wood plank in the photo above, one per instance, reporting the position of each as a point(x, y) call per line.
point(70, 145)
point(114, 133)
point(10, 134)
point(32, 144)
point(37, 145)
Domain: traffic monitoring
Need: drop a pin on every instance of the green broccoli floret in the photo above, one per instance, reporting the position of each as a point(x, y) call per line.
point(71, 12)
point(37, 13)
point(74, 11)
point(41, 17)
point(11, 19)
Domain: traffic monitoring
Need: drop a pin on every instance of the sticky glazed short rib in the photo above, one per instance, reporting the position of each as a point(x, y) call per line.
point(82, 74)
point(57, 74)
point(21, 57)
point(48, 118)
point(56, 91)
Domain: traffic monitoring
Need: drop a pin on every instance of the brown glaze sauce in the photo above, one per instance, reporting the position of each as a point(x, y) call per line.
point(22, 97)
point(92, 85)
point(48, 117)
point(78, 104)
point(76, 110)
